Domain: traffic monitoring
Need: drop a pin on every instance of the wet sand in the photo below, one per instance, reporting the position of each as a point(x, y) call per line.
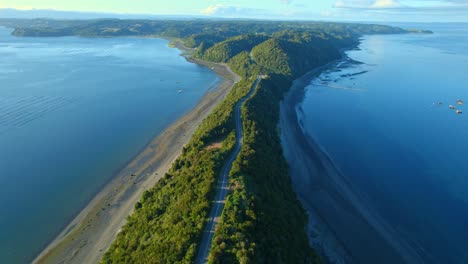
point(342, 225)
point(93, 230)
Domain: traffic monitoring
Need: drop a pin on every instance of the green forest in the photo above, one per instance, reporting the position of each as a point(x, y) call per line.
point(262, 221)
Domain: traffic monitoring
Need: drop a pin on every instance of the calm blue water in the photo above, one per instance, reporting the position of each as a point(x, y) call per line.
point(407, 155)
point(72, 112)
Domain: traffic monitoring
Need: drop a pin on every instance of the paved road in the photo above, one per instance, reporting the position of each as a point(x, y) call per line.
point(222, 188)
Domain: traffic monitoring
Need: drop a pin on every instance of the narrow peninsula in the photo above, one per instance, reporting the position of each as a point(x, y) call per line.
point(263, 220)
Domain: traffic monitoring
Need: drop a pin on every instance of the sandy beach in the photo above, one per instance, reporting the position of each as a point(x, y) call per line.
point(93, 230)
point(341, 223)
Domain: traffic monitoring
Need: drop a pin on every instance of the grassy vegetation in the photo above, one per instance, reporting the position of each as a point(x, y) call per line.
point(262, 221)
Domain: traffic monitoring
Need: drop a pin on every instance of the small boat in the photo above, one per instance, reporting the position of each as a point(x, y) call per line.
point(451, 107)
point(177, 81)
point(180, 91)
point(459, 102)
point(459, 111)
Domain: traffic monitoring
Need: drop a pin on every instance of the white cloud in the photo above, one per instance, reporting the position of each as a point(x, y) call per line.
point(220, 10)
point(236, 11)
point(375, 4)
point(400, 4)
point(212, 9)
point(402, 10)
point(385, 4)
point(377, 10)
point(339, 4)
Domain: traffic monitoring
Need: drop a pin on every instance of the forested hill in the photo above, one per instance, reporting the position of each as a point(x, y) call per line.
point(194, 31)
point(220, 41)
point(262, 221)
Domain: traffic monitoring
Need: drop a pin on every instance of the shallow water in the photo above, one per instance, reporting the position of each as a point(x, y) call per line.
point(406, 154)
point(72, 112)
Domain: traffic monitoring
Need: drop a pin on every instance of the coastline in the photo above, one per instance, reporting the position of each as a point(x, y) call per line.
point(87, 237)
point(340, 220)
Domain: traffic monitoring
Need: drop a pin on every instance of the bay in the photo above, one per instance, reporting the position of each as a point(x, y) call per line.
point(377, 115)
point(73, 111)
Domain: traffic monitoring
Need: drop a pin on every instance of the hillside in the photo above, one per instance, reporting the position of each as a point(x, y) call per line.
point(262, 221)
point(225, 50)
point(197, 31)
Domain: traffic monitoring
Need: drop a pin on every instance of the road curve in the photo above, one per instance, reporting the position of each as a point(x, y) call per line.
point(222, 187)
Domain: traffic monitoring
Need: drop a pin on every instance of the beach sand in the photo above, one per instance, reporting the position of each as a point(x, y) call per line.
point(342, 225)
point(93, 230)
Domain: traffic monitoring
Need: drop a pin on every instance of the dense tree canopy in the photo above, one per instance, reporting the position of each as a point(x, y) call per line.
point(196, 31)
point(262, 221)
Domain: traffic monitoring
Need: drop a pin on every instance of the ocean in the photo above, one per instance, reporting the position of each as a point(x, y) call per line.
point(73, 111)
point(383, 117)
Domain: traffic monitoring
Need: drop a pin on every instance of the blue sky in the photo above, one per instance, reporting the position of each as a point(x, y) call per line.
point(343, 10)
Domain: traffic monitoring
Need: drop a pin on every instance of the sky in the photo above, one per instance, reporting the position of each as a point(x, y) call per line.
point(337, 10)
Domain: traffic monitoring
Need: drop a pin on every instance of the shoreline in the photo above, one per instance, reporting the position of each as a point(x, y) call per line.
point(341, 223)
point(93, 229)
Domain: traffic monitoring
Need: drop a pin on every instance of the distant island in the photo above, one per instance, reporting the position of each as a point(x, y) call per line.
point(262, 220)
point(420, 31)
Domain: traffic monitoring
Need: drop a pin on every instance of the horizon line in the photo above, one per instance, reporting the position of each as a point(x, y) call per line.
point(191, 16)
